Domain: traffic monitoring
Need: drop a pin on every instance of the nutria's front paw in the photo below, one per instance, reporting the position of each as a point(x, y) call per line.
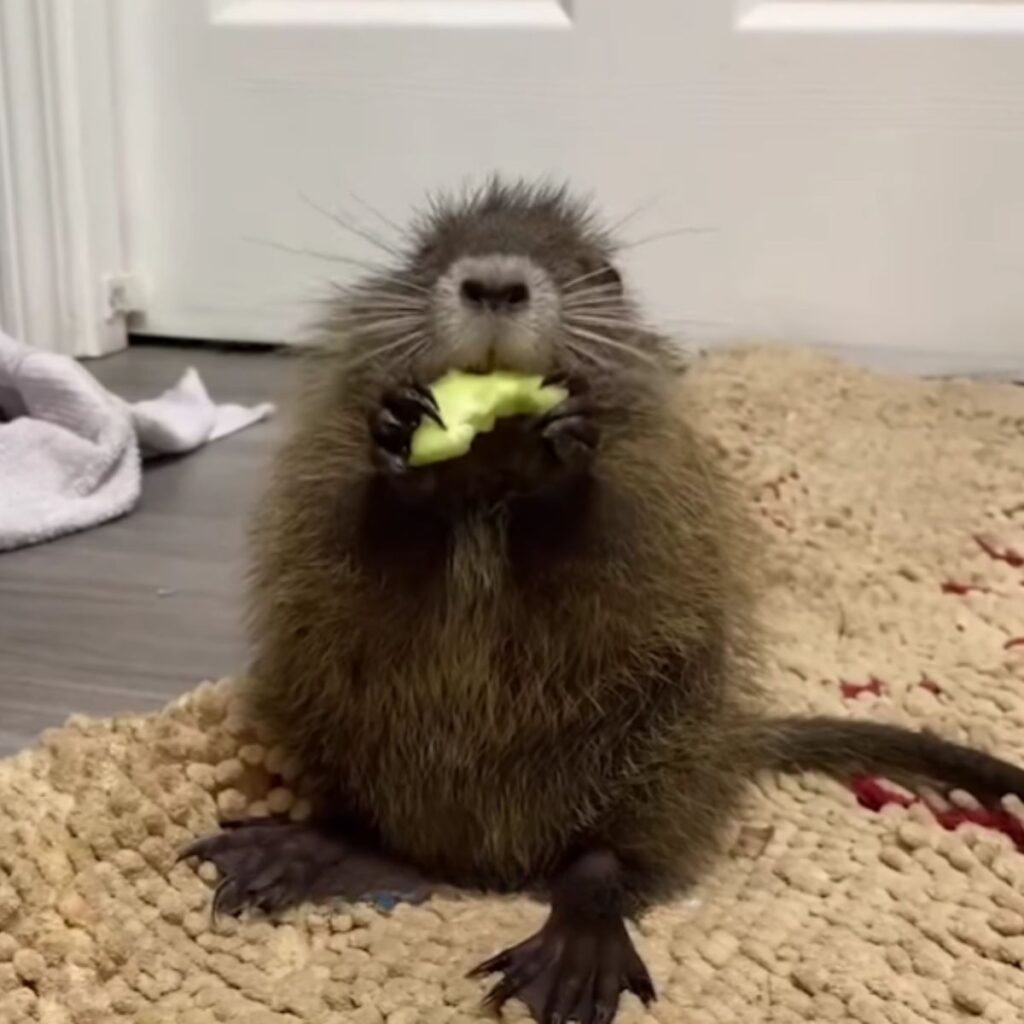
point(393, 423)
point(569, 430)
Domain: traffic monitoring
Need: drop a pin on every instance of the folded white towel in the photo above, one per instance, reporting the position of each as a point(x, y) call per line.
point(70, 450)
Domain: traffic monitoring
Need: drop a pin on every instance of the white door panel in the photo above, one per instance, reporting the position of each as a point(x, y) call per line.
point(851, 186)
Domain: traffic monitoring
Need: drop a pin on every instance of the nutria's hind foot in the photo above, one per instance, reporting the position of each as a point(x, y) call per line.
point(570, 972)
point(271, 865)
point(579, 964)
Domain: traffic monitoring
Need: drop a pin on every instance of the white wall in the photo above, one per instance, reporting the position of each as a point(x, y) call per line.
point(61, 245)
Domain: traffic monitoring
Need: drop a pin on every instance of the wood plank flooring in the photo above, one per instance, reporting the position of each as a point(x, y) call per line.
point(131, 614)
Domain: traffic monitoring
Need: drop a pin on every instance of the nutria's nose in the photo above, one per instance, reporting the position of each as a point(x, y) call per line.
point(497, 296)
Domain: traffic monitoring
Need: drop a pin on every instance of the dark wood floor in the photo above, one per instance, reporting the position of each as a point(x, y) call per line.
point(128, 615)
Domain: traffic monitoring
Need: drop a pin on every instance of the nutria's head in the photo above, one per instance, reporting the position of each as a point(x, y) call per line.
point(511, 276)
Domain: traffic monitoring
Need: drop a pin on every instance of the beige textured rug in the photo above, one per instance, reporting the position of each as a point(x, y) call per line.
point(896, 516)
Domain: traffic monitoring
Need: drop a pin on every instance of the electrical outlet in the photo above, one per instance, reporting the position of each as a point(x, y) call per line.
point(124, 294)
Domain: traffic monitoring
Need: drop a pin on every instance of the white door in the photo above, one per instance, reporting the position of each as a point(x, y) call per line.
point(852, 171)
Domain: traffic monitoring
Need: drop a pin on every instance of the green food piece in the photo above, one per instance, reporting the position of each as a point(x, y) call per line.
point(469, 404)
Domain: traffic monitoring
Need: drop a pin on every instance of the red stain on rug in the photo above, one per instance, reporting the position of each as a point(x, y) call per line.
point(851, 691)
point(955, 587)
point(872, 793)
point(999, 552)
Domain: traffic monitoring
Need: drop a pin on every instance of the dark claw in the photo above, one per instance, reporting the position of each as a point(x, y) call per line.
point(577, 427)
point(572, 439)
point(508, 987)
point(393, 423)
point(492, 966)
point(570, 432)
point(230, 823)
point(576, 386)
point(586, 1005)
point(564, 999)
point(412, 403)
point(575, 406)
point(529, 961)
point(189, 851)
point(201, 848)
point(391, 463)
point(228, 898)
point(390, 433)
point(643, 988)
point(270, 875)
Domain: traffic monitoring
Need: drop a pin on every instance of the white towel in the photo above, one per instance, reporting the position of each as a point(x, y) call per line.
point(70, 450)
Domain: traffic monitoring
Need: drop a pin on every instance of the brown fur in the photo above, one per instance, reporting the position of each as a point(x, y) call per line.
point(495, 676)
point(490, 700)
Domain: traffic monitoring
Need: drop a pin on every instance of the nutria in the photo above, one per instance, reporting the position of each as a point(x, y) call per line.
point(534, 666)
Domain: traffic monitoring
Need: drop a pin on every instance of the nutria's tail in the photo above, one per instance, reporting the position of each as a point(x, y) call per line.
point(842, 747)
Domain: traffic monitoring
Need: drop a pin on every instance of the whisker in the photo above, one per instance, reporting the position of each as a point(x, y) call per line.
point(376, 316)
point(583, 277)
point(659, 235)
point(369, 327)
point(693, 322)
point(584, 353)
point(365, 308)
point(353, 228)
point(615, 304)
point(374, 268)
point(625, 318)
point(378, 321)
point(408, 304)
point(381, 350)
point(608, 297)
point(383, 218)
point(596, 304)
point(608, 294)
point(376, 325)
point(625, 323)
point(368, 293)
point(385, 283)
point(412, 353)
point(642, 207)
point(596, 322)
point(608, 288)
point(600, 339)
point(614, 314)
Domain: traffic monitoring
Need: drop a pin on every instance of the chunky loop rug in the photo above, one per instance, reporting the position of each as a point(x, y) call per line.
point(894, 512)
